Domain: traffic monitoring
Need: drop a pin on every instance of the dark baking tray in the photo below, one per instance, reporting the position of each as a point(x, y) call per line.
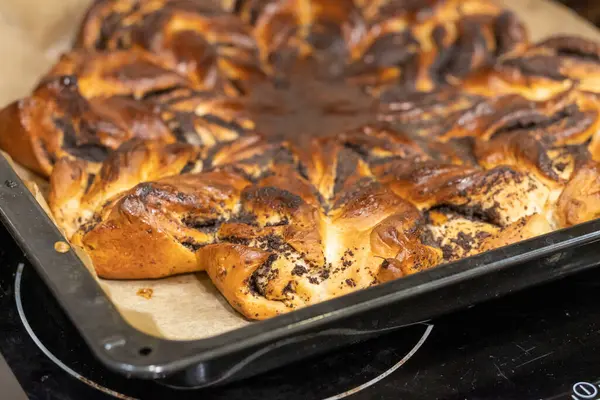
point(269, 344)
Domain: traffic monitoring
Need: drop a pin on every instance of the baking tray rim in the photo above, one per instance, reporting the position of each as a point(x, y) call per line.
point(123, 351)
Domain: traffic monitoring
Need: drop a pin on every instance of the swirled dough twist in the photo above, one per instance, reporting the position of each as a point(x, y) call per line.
point(299, 150)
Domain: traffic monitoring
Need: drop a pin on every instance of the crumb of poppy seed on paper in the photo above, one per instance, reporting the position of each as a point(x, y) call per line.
point(145, 293)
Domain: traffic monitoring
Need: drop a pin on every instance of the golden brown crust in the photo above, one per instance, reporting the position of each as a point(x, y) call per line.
point(56, 122)
point(301, 150)
point(134, 73)
point(543, 70)
point(76, 193)
point(460, 236)
point(198, 40)
point(157, 226)
point(16, 139)
point(525, 228)
point(580, 200)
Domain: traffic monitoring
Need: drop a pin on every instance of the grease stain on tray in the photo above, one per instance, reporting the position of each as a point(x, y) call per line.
point(62, 247)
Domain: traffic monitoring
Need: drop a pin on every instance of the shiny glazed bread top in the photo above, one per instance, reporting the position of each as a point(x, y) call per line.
point(299, 150)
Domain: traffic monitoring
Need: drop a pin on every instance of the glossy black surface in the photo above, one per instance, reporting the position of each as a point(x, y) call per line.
point(536, 344)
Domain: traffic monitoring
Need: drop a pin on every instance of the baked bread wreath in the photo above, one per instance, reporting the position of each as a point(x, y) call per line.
point(299, 150)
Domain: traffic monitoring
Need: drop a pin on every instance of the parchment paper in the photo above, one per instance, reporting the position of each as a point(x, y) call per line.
point(32, 35)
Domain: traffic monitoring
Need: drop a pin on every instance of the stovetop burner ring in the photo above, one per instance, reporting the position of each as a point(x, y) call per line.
point(47, 352)
point(389, 371)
